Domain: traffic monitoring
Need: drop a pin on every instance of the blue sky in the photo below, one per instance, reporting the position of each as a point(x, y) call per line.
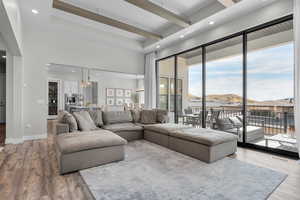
point(270, 74)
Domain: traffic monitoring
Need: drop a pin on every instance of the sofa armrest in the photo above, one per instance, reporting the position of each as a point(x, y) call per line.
point(62, 128)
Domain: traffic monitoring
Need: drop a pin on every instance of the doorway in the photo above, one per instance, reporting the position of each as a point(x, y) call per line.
point(2, 97)
point(53, 98)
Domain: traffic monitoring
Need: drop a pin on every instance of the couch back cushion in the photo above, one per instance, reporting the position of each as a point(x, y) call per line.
point(65, 117)
point(84, 120)
point(148, 117)
point(114, 117)
point(96, 115)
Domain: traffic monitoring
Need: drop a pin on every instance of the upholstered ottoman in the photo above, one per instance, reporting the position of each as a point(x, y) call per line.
point(159, 133)
point(204, 144)
point(80, 150)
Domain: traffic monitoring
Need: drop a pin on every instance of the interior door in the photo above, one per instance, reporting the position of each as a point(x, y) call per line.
point(52, 98)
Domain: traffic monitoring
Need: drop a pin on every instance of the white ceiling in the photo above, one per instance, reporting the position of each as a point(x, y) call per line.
point(200, 12)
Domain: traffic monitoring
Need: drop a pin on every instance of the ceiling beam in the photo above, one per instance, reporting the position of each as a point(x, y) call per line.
point(103, 19)
point(164, 13)
point(227, 3)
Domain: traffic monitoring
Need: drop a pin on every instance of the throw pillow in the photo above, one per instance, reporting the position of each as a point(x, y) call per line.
point(96, 115)
point(148, 116)
point(136, 115)
point(84, 120)
point(60, 116)
point(161, 116)
point(71, 121)
point(65, 117)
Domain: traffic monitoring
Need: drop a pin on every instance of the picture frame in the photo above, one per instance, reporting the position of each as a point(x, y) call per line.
point(110, 101)
point(119, 92)
point(110, 92)
point(128, 93)
point(119, 101)
point(128, 101)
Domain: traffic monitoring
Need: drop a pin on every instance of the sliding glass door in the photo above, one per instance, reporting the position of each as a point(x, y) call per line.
point(242, 84)
point(165, 70)
point(189, 76)
point(224, 86)
point(270, 87)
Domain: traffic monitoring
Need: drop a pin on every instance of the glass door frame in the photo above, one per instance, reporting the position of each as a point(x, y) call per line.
point(244, 35)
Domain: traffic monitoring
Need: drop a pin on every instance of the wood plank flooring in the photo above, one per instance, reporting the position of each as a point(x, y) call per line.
point(29, 171)
point(2, 134)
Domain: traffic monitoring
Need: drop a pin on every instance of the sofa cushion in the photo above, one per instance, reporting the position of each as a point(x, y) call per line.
point(162, 116)
point(84, 120)
point(123, 127)
point(206, 137)
point(165, 129)
point(113, 117)
point(65, 117)
point(75, 142)
point(96, 115)
point(148, 117)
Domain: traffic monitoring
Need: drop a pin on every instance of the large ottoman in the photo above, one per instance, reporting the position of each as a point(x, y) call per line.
point(80, 150)
point(204, 144)
point(159, 133)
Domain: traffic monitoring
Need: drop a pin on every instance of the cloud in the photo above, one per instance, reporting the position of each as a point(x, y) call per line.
point(270, 75)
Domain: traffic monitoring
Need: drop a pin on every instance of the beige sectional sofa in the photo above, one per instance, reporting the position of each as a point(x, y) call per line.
point(82, 148)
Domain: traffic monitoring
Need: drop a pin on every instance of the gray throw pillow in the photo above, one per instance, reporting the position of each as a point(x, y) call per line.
point(84, 120)
point(96, 115)
point(65, 117)
point(60, 116)
point(162, 116)
point(148, 117)
point(71, 121)
point(136, 116)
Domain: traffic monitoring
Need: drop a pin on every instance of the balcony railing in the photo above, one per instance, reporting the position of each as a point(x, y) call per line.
point(273, 122)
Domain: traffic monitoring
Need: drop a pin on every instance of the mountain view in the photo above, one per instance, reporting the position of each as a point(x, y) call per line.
point(233, 98)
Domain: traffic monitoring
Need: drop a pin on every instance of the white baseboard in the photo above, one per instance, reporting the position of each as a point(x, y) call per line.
point(13, 140)
point(35, 137)
point(25, 138)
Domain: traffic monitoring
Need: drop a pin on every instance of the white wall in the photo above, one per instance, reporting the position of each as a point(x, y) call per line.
point(271, 12)
point(50, 39)
point(14, 127)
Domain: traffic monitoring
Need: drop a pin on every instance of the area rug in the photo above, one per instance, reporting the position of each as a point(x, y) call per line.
point(152, 172)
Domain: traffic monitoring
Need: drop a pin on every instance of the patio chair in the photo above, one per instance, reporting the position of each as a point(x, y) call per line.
point(234, 125)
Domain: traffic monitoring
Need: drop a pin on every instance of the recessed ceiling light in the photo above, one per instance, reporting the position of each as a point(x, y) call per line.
point(3, 56)
point(48, 64)
point(73, 71)
point(34, 11)
point(211, 23)
point(181, 36)
point(158, 46)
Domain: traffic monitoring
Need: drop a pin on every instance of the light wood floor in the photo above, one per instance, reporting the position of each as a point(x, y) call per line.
point(2, 134)
point(29, 171)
